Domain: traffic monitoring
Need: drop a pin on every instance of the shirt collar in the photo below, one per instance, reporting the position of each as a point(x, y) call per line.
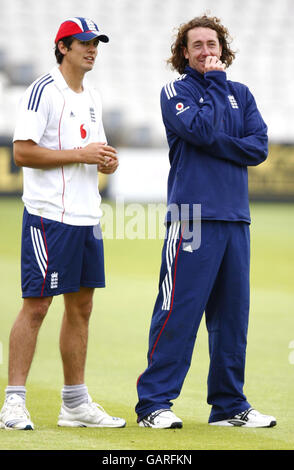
point(60, 80)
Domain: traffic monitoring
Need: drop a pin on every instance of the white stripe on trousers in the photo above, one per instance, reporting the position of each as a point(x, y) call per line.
point(39, 249)
point(167, 284)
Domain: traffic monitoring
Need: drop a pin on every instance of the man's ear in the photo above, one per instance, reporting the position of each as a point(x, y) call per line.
point(221, 50)
point(185, 52)
point(62, 48)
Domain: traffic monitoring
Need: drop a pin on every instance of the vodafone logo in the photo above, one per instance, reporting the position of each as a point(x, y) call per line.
point(179, 106)
point(84, 131)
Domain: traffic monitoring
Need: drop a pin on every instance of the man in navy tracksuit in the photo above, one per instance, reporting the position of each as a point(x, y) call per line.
point(214, 131)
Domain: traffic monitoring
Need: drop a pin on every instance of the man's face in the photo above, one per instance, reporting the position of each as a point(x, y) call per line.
point(201, 43)
point(82, 54)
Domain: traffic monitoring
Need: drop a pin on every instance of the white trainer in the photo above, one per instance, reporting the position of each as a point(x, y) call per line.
point(248, 419)
point(88, 415)
point(14, 414)
point(161, 419)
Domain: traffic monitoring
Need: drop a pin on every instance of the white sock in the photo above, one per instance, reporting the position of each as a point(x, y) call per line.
point(18, 389)
point(74, 395)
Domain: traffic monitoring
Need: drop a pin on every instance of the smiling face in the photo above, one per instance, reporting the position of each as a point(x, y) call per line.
point(81, 54)
point(201, 43)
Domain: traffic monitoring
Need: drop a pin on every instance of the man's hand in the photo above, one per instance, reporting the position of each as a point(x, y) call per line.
point(29, 154)
point(109, 167)
point(212, 63)
point(98, 153)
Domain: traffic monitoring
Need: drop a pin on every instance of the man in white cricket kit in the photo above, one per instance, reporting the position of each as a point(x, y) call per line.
point(60, 142)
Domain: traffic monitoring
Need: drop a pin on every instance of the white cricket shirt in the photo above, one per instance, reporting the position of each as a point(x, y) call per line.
point(55, 117)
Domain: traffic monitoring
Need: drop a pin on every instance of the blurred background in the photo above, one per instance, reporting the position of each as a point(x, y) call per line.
point(131, 69)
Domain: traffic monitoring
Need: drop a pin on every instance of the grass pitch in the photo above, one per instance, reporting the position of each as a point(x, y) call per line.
point(118, 346)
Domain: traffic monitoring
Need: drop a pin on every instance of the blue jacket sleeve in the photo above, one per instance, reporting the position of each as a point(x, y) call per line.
point(193, 121)
point(249, 150)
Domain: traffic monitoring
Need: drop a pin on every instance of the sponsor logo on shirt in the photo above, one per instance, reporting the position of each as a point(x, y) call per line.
point(180, 108)
point(85, 132)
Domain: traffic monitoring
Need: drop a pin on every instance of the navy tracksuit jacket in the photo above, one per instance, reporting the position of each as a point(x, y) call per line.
point(214, 131)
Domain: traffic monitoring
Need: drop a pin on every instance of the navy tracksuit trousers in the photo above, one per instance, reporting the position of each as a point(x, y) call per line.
point(213, 278)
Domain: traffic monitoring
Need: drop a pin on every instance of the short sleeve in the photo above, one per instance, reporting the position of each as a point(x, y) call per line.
point(32, 115)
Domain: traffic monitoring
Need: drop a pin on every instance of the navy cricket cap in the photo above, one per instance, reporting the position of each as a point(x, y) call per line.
point(82, 29)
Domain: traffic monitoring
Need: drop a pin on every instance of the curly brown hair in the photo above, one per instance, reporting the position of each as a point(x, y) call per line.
point(178, 62)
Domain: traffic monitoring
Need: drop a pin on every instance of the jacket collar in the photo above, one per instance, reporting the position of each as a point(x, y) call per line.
point(199, 76)
point(194, 73)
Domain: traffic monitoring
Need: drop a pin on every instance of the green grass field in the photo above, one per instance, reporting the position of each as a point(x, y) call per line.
point(118, 346)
